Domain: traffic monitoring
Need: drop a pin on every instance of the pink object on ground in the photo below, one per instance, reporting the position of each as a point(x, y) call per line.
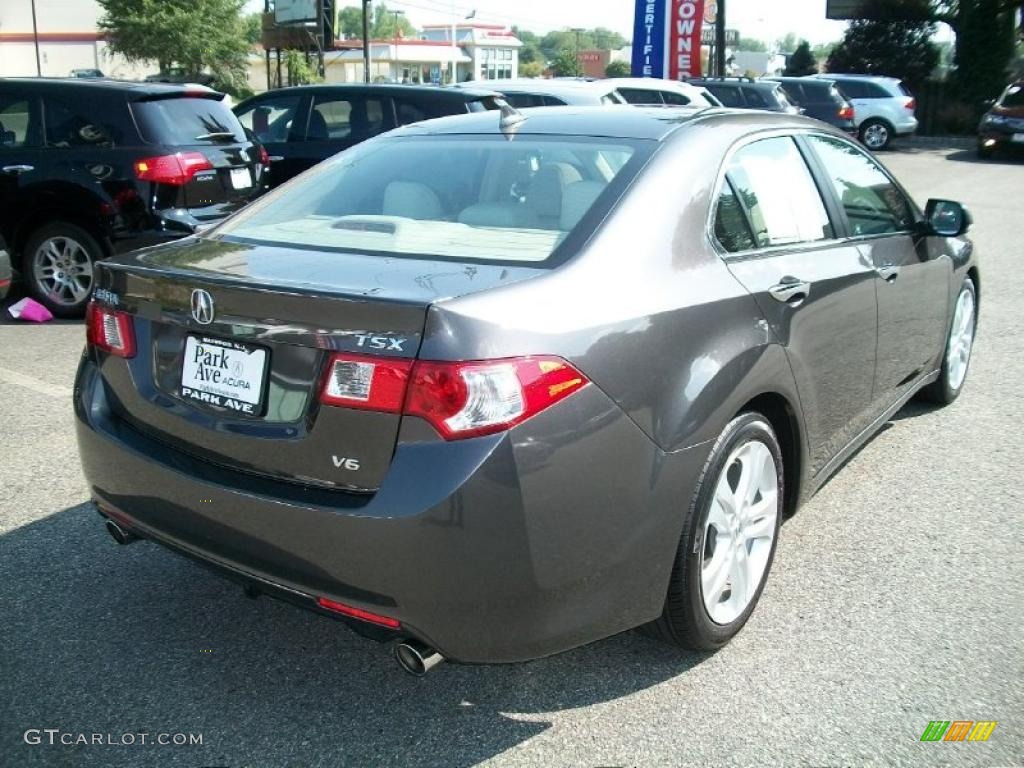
point(29, 310)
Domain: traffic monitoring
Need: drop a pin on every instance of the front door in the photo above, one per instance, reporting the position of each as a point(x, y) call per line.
point(22, 158)
point(278, 122)
point(816, 292)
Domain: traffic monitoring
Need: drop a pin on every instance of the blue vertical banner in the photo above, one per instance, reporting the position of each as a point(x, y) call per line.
point(649, 38)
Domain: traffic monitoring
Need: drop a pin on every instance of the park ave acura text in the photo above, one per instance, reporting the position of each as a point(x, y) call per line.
point(497, 385)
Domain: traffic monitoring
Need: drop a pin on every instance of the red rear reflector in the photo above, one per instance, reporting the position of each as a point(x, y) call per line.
point(370, 383)
point(468, 399)
point(264, 156)
point(110, 330)
point(846, 112)
point(911, 104)
point(358, 613)
point(177, 169)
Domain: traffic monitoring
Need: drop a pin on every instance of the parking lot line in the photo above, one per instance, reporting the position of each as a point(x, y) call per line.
point(42, 387)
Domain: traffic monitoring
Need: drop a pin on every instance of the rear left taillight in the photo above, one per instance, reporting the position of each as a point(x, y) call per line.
point(911, 104)
point(110, 330)
point(846, 112)
point(177, 169)
point(264, 157)
point(459, 399)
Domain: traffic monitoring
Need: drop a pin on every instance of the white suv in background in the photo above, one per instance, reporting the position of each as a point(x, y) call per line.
point(882, 107)
point(642, 91)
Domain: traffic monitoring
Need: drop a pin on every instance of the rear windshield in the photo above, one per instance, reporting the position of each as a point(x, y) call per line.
point(456, 197)
point(185, 121)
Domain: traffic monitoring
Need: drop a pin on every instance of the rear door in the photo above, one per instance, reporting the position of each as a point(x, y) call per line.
point(816, 292)
point(912, 282)
point(278, 122)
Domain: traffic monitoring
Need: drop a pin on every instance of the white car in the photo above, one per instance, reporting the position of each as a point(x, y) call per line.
point(883, 108)
point(551, 93)
point(654, 90)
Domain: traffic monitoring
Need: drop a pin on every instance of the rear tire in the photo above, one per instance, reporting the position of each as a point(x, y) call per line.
point(956, 359)
point(58, 267)
point(875, 134)
point(728, 540)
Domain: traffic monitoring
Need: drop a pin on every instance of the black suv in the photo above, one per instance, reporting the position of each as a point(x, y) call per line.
point(303, 125)
point(746, 93)
point(820, 99)
point(89, 168)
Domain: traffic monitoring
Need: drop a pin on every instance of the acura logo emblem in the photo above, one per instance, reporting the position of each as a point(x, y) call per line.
point(202, 306)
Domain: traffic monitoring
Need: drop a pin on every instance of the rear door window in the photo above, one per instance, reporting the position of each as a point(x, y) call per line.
point(353, 118)
point(186, 121)
point(271, 120)
point(640, 96)
point(410, 110)
point(873, 204)
point(74, 125)
point(778, 193)
point(676, 99)
point(729, 95)
point(18, 118)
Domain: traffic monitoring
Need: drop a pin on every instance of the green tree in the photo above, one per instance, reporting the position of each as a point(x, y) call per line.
point(618, 69)
point(566, 64)
point(787, 43)
point(531, 69)
point(984, 48)
point(751, 44)
point(383, 25)
point(196, 35)
point(900, 49)
point(301, 71)
point(349, 24)
point(253, 26)
point(802, 62)
point(530, 51)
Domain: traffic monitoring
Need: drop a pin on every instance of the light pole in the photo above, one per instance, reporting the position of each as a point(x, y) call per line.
point(397, 67)
point(366, 41)
point(576, 68)
point(35, 37)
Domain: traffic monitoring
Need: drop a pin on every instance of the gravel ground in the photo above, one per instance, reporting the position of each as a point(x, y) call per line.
point(895, 599)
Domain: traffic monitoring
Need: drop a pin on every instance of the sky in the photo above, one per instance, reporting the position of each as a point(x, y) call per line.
point(753, 18)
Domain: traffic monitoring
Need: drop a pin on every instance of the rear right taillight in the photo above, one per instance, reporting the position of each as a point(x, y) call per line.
point(458, 398)
point(846, 112)
point(911, 104)
point(177, 169)
point(110, 330)
point(264, 157)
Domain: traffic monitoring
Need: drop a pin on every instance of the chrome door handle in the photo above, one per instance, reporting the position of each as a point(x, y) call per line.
point(276, 158)
point(16, 169)
point(790, 291)
point(888, 272)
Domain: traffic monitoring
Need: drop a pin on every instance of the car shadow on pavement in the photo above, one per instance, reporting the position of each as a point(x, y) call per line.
point(971, 156)
point(99, 638)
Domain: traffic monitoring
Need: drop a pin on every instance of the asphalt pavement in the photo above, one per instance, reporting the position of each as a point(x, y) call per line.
point(896, 599)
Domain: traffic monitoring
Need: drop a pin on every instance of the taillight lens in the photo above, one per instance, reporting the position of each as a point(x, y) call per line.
point(358, 613)
point(264, 157)
point(177, 169)
point(110, 330)
point(911, 104)
point(459, 399)
point(846, 112)
point(370, 383)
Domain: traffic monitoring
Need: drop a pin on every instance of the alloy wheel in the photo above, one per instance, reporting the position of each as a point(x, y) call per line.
point(63, 270)
point(740, 531)
point(876, 136)
point(961, 340)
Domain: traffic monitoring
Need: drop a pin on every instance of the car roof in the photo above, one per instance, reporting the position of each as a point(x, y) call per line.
point(390, 89)
point(540, 85)
point(618, 121)
point(708, 82)
point(848, 76)
point(653, 83)
point(129, 88)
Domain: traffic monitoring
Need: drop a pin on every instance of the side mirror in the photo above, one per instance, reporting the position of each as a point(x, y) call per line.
point(947, 218)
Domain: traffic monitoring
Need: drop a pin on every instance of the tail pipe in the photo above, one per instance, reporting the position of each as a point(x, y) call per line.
point(416, 658)
point(120, 535)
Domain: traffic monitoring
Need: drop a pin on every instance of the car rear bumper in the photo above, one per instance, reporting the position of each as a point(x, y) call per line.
point(494, 549)
point(906, 127)
point(1001, 137)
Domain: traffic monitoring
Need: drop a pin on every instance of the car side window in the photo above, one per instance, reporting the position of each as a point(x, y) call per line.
point(729, 95)
point(16, 123)
point(873, 204)
point(416, 110)
point(853, 89)
point(755, 99)
point(271, 120)
point(640, 95)
point(350, 117)
point(676, 99)
point(68, 125)
point(778, 193)
point(731, 227)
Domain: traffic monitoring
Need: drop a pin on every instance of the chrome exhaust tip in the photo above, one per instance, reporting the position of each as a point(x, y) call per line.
point(119, 534)
point(416, 658)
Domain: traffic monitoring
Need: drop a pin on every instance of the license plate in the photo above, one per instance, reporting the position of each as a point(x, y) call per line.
point(224, 373)
point(1018, 138)
point(240, 178)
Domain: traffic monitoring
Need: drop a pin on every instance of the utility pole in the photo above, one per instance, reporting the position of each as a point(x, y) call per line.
point(366, 41)
point(720, 40)
point(35, 37)
point(397, 67)
point(577, 69)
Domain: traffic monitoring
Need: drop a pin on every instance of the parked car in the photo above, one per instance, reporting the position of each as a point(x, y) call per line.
point(820, 99)
point(1002, 126)
point(651, 91)
point(179, 76)
point(439, 388)
point(94, 167)
point(747, 93)
point(87, 73)
point(555, 92)
point(303, 125)
point(883, 108)
point(6, 273)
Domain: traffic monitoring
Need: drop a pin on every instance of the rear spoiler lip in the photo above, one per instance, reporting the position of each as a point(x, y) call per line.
point(185, 93)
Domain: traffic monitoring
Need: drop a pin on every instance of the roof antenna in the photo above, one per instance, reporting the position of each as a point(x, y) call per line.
point(510, 118)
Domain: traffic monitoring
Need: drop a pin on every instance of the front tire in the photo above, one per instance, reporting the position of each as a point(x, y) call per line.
point(956, 358)
point(875, 134)
point(728, 541)
point(59, 267)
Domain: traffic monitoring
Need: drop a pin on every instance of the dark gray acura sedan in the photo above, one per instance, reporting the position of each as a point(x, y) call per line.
point(494, 386)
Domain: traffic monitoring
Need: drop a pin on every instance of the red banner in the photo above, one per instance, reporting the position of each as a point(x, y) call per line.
point(685, 18)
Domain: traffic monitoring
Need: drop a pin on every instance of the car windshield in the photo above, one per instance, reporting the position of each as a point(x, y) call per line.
point(491, 198)
point(1013, 97)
